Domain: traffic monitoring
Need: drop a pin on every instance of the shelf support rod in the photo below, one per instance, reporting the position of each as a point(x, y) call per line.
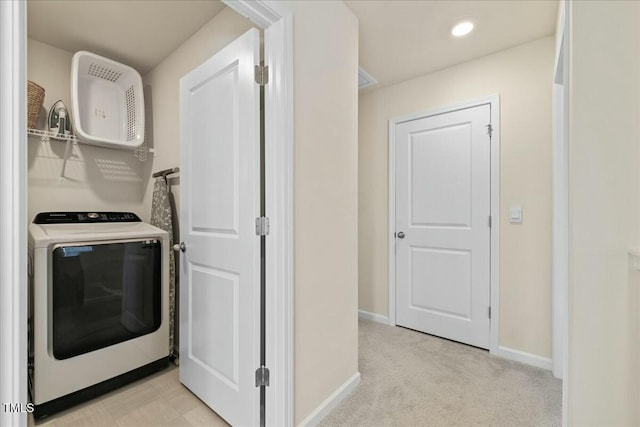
point(67, 153)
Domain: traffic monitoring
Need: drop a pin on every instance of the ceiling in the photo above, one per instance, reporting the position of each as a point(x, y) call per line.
point(138, 33)
point(400, 39)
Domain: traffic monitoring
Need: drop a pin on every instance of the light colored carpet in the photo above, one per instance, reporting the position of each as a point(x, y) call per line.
point(415, 379)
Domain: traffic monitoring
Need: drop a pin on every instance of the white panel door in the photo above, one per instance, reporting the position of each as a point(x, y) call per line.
point(442, 225)
point(220, 266)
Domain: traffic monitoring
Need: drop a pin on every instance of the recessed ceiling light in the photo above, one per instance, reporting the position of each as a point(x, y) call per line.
point(462, 29)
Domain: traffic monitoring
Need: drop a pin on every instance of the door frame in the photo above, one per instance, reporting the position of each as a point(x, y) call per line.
point(560, 209)
point(494, 102)
point(560, 200)
point(13, 205)
point(276, 19)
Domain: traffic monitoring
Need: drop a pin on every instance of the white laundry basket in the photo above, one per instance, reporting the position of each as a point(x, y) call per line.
point(107, 102)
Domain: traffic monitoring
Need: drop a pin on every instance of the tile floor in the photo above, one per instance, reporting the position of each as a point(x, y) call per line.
point(158, 400)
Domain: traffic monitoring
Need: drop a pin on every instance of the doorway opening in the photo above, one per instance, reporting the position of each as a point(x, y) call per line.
point(444, 222)
point(277, 22)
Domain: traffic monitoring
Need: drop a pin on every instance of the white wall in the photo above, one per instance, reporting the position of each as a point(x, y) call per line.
point(325, 199)
point(604, 189)
point(96, 178)
point(522, 76)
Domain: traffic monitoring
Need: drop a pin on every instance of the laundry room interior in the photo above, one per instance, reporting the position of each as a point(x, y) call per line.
point(98, 178)
point(76, 176)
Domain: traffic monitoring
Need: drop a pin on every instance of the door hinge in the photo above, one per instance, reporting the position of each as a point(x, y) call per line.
point(489, 312)
point(490, 221)
point(262, 74)
point(489, 130)
point(262, 226)
point(262, 377)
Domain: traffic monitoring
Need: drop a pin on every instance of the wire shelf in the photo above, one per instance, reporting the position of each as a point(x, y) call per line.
point(48, 136)
point(141, 153)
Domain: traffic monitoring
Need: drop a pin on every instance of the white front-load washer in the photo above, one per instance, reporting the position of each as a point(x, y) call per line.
point(99, 305)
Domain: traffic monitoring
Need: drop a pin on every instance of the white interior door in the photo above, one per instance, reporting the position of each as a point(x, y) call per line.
point(220, 266)
point(442, 225)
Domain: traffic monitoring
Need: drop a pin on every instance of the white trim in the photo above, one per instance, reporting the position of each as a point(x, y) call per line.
point(257, 11)
point(559, 229)
point(489, 99)
point(13, 208)
point(524, 357)
point(378, 318)
point(495, 224)
point(558, 65)
point(366, 77)
point(318, 414)
point(561, 188)
point(560, 198)
point(634, 256)
point(391, 227)
point(279, 205)
point(276, 19)
point(494, 102)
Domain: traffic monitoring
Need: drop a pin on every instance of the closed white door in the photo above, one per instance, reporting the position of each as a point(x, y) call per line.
point(442, 225)
point(220, 264)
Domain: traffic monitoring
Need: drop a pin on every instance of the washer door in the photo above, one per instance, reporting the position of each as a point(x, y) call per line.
point(104, 294)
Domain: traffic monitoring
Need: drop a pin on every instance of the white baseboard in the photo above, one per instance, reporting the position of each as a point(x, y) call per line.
point(524, 357)
point(379, 318)
point(314, 418)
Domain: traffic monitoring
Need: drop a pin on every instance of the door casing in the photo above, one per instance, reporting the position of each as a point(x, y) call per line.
point(494, 102)
point(13, 205)
point(560, 215)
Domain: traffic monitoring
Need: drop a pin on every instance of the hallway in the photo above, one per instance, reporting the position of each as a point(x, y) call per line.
point(414, 379)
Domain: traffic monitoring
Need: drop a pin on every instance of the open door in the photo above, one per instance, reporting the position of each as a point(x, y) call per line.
point(220, 265)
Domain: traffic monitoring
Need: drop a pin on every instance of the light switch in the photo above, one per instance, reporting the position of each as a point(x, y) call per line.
point(515, 214)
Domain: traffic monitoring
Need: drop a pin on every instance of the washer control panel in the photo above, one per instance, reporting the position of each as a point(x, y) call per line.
point(84, 217)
